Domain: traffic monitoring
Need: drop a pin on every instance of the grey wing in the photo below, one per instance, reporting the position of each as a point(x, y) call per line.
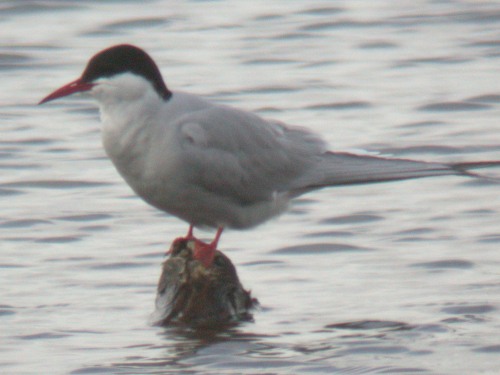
point(243, 157)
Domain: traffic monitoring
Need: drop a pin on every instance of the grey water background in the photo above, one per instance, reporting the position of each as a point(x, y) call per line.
point(378, 279)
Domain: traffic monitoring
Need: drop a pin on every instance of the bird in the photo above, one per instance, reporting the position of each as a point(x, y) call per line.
point(214, 165)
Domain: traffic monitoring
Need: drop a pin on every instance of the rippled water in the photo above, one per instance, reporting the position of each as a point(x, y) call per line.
point(391, 278)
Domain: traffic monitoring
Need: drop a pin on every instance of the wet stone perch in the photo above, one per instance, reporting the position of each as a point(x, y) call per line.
point(190, 293)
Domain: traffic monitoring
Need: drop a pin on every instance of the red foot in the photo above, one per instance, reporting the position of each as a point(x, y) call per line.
point(189, 236)
point(205, 253)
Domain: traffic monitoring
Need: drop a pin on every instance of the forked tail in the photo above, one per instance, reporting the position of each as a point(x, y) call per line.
point(350, 169)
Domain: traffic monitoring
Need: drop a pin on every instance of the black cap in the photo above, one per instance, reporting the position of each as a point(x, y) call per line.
point(125, 58)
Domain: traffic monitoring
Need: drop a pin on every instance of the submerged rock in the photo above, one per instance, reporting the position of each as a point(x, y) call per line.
point(190, 293)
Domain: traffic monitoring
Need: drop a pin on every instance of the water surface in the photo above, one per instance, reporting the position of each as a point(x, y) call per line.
point(391, 278)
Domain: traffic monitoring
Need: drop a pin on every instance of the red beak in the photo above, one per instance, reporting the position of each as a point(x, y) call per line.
point(72, 87)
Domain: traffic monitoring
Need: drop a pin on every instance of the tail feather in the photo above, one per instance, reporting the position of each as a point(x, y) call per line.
point(464, 168)
point(350, 169)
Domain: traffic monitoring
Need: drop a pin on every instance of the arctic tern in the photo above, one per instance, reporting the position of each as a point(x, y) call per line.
point(214, 165)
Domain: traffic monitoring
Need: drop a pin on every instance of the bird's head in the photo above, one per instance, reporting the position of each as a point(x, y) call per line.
point(123, 63)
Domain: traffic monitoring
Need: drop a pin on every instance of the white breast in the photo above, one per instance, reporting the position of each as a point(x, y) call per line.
point(139, 136)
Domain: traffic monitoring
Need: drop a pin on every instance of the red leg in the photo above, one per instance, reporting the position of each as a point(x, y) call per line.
point(189, 237)
point(217, 237)
point(205, 253)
